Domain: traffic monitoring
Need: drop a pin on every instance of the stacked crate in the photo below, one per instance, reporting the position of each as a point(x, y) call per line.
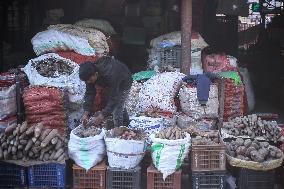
point(251, 179)
point(95, 178)
point(155, 179)
point(208, 166)
point(123, 178)
point(49, 175)
point(12, 176)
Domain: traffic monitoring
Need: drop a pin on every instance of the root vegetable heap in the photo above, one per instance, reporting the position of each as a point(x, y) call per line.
point(126, 134)
point(253, 126)
point(23, 142)
point(253, 150)
point(83, 132)
point(45, 105)
point(53, 68)
point(171, 133)
point(199, 140)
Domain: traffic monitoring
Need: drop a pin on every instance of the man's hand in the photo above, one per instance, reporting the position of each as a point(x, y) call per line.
point(99, 119)
point(85, 118)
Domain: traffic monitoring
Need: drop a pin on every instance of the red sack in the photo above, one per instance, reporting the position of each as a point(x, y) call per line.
point(77, 58)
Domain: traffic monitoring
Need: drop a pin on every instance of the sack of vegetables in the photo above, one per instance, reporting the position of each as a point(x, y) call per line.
point(169, 148)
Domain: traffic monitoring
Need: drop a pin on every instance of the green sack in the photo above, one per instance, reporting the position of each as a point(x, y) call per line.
point(143, 75)
point(232, 75)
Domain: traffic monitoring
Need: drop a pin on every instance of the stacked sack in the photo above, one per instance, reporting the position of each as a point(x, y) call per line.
point(45, 105)
point(8, 98)
point(234, 99)
point(234, 90)
point(170, 44)
point(156, 102)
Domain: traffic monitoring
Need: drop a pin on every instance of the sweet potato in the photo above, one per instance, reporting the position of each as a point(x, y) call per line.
point(23, 135)
point(23, 142)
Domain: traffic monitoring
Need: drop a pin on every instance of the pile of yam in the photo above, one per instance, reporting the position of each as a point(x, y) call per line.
point(84, 132)
point(171, 133)
point(23, 142)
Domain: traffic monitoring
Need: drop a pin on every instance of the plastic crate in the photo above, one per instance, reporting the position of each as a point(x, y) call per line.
point(250, 179)
point(208, 157)
point(123, 179)
point(12, 175)
point(95, 178)
point(209, 180)
point(155, 179)
point(169, 56)
point(47, 175)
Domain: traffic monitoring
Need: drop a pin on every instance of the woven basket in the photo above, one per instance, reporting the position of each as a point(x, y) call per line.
point(267, 165)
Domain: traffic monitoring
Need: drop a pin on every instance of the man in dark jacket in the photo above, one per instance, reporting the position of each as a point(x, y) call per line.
point(114, 75)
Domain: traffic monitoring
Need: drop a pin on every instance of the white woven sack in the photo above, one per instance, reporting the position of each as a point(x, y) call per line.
point(86, 152)
point(75, 87)
point(100, 24)
point(53, 41)
point(151, 125)
point(168, 155)
point(190, 105)
point(158, 93)
point(8, 101)
point(124, 154)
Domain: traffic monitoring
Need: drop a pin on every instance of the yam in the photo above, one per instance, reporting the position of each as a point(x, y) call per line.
point(31, 154)
point(58, 145)
point(43, 151)
point(4, 145)
point(10, 129)
point(61, 157)
point(16, 131)
point(20, 147)
point(1, 153)
point(5, 154)
point(34, 139)
point(168, 133)
point(52, 155)
point(46, 157)
point(23, 127)
point(49, 137)
point(36, 149)
point(23, 142)
point(14, 150)
point(38, 129)
point(44, 134)
point(29, 145)
point(58, 153)
point(19, 155)
point(54, 140)
point(23, 136)
point(9, 149)
point(30, 130)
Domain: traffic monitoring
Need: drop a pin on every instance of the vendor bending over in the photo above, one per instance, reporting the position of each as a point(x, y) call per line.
point(115, 75)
